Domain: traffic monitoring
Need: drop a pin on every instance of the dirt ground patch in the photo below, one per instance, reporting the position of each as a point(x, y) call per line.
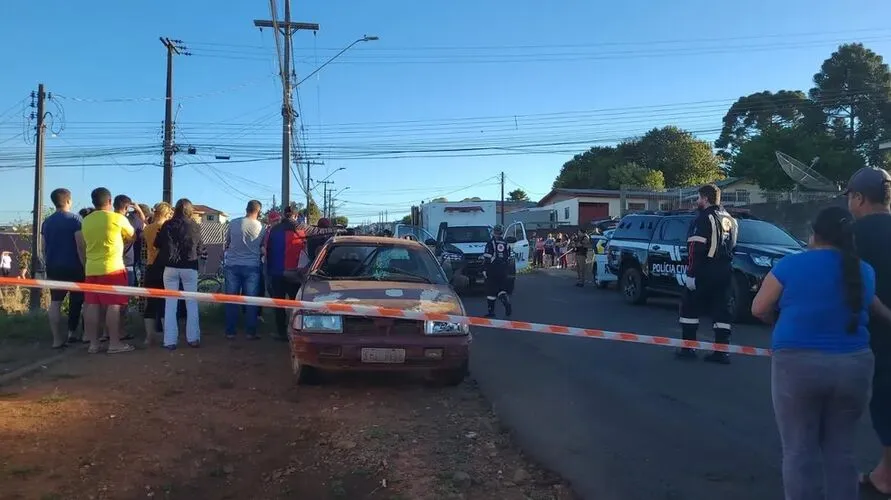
point(226, 422)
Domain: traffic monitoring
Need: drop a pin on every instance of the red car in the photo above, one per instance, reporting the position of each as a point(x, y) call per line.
point(388, 272)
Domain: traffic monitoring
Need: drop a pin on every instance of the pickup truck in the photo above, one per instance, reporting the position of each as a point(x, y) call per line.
point(648, 252)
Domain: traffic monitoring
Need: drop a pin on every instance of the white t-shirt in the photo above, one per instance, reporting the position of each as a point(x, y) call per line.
point(5, 261)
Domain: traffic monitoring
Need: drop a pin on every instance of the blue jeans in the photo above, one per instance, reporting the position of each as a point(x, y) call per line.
point(242, 280)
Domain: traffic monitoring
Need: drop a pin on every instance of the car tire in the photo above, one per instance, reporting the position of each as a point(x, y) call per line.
point(739, 300)
point(452, 377)
point(632, 286)
point(303, 374)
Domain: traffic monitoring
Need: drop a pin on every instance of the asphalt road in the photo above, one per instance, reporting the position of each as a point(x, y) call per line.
point(628, 421)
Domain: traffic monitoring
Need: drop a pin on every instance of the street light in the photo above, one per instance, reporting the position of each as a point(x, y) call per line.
point(365, 38)
point(329, 175)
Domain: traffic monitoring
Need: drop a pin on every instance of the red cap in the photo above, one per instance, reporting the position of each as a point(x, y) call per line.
point(273, 216)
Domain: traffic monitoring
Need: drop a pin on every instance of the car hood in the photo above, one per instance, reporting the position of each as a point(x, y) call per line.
point(424, 297)
point(770, 250)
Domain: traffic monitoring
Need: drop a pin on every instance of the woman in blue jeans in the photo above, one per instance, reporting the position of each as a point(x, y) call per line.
point(822, 365)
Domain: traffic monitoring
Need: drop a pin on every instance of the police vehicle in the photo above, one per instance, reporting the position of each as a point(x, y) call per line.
point(648, 252)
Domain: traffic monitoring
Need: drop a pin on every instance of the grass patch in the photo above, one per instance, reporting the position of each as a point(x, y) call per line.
point(23, 327)
point(24, 471)
point(54, 398)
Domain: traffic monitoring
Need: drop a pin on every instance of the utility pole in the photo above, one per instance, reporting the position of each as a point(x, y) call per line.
point(174, 47)
point(326, 205)
point(37, 222)
point(502, 199)
point(286, 29)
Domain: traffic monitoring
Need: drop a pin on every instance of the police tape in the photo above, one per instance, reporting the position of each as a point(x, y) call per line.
point(349, 309)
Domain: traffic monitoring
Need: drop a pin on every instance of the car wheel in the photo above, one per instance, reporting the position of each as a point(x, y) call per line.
point(303, 374)
point(632, 286)
point(739, 300)
point(453, 376)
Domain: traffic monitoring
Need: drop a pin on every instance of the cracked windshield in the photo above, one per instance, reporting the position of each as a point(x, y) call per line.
point(296, 249)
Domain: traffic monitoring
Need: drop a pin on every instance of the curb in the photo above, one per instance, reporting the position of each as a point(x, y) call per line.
point(33, 367)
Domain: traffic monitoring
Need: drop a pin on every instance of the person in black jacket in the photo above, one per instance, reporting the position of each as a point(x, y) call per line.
point(712, 238)
point(179, 248)
point(497, 261)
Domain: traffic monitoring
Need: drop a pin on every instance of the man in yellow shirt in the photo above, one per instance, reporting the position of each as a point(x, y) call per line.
point(100, 244)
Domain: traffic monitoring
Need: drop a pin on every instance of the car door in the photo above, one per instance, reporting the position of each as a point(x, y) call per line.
point(521, 247)
point(666, 261)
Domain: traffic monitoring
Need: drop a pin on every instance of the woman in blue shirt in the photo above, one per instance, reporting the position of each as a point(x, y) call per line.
point(822, 365)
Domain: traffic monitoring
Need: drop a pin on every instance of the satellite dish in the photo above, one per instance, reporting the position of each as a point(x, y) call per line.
point(805, 176)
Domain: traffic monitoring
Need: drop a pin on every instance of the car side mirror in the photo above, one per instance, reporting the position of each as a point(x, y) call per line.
point(430, 242)
point(511, 240)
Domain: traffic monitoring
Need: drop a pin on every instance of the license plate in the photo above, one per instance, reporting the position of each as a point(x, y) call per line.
point(373, 355)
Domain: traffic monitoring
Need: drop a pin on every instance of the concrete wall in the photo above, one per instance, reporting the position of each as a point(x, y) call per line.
point(794, 217)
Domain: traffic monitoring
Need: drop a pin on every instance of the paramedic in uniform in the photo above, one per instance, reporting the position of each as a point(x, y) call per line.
point(497, 259)
point(711, 241)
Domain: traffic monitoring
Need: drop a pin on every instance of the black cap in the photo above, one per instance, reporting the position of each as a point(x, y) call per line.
point(872, 183)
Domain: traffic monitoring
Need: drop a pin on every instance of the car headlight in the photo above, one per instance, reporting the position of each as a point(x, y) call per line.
point(318, 323)
point(445, 328)
point(763, 260)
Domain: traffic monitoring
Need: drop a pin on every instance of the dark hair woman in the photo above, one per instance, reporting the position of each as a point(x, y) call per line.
point(179, 247)
point(822, 365)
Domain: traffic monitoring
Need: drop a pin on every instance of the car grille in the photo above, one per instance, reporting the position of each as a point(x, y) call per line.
point(382, 326)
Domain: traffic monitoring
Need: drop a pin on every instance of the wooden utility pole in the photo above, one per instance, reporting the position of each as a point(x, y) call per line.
point(502, 199)
point(286, 29)
point(174, 47)
point(37, 221)
point(326, 205)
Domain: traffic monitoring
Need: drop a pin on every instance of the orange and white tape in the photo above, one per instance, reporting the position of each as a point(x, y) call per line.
point(384, 312)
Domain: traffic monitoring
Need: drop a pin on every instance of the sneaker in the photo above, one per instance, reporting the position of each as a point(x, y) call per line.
point(685, 353)
point(722, 358)
point(195, 344)
point(253, 336)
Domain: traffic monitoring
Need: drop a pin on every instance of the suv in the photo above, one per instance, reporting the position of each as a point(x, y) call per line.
point(648, 252)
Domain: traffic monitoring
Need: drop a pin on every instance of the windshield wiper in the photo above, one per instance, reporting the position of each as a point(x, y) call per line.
point(393, 270)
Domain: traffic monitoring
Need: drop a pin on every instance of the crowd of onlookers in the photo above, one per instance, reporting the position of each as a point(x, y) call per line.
point(120, 242)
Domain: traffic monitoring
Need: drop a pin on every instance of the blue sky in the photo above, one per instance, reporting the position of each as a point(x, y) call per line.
point(465, 89)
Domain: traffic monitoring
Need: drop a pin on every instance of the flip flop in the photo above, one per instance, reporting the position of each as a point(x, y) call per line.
point(867, 484)
point(94, 350)
point(121, 348)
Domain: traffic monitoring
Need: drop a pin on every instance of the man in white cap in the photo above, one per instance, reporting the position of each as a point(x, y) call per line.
point(869, 200)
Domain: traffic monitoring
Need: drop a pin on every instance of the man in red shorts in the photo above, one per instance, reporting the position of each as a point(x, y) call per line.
point(101, 243)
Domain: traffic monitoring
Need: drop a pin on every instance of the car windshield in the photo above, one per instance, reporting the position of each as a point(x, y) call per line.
point(467, 234)
point(378, 262)
point(764, 233)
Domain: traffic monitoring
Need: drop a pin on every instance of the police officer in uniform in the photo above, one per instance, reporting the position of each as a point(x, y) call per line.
point(712, 238)
point(497, 256)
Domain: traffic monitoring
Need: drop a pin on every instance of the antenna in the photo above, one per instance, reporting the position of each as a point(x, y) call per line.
point(805, 176)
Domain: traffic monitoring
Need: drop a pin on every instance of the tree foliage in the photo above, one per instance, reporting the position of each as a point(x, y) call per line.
point(842, 120)
point(341, 220)
point(441, 199)
point(518, 195)
point(634, 175)
point(406, 220)
point(853, 87)
point(680, 159)
point(475, 198)
point(753, 114)
point(756, 158)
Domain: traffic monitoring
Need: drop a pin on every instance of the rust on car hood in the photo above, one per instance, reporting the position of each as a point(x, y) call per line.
point(424, 297)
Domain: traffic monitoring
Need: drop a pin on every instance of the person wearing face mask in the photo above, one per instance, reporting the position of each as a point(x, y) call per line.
point(711, 240)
